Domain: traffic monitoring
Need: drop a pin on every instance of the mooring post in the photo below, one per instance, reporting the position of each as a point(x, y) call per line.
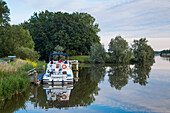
point(77, 67)
point(71, 66)
point(77, 74)
point(35, 77)
point(43, 68)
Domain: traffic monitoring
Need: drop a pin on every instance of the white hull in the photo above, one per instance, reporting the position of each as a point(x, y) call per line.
point(58, 73)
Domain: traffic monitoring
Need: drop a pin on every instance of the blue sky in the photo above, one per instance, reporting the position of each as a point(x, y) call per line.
point(131, 19)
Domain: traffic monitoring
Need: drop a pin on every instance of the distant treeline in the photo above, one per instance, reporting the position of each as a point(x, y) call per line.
point(165, 53)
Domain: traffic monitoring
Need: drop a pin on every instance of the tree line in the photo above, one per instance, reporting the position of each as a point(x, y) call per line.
point(75, 34)
point(119, 52)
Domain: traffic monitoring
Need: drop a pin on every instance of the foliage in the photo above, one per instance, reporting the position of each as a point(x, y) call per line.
point(26, 53)
point(142, 52)
point(76, 32)
point(97, 53)
point(58, 49)
point(4, 13)
point(13, 37)
point(119, 50)
point(34, 64)
point(13, 81)
point(81, 59)
point(165, 53)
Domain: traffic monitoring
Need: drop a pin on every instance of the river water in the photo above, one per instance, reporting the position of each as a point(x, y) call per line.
point(101, 89)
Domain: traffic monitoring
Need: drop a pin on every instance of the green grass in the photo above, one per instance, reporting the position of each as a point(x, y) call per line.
point(13, 79)
point(81, 59)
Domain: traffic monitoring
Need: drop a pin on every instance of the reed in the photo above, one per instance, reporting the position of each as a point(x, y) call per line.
point(13, 78)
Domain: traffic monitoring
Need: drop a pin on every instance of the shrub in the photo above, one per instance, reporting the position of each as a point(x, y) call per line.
point(24, 53)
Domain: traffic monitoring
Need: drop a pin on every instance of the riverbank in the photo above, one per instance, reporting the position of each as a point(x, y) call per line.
point(14, 77)
point(85, 59)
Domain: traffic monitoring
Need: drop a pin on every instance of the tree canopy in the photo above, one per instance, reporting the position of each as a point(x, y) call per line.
point(119, 50)
point(75, 32)
point(13, 37)
point(4, 13)
point(142, 51)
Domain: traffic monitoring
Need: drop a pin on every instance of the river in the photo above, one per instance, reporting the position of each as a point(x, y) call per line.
point(101, 89)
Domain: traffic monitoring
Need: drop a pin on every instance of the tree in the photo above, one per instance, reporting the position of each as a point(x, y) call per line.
point(26, 53)
point(142, 52)
point(97, 53)
point(13, 37)
point(58, 49)
point(4, 13)
point(76, 32)
point(119, 50)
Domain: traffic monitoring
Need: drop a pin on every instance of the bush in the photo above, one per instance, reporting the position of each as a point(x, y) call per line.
point(24, 53)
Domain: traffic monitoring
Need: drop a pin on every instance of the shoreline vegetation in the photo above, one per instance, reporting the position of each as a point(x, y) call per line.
point(14, 77)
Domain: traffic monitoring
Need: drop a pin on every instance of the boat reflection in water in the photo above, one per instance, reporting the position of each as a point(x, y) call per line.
point(58, 92)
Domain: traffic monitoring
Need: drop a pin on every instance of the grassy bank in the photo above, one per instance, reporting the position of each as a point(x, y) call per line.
point(81, 59)
point(85, 59)
point(14, 78)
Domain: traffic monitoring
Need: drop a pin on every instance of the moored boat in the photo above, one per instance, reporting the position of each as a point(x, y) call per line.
point(58, 71)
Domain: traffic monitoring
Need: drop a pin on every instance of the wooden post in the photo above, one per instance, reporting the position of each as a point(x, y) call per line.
point(35, 77)
point(77, 67)
point(43, 68)
point(70, 66)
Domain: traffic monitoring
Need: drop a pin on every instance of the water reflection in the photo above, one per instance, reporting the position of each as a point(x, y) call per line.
point(119, 75)
point(166, 58)
point(141, 72)
point(91, 87)
point(15, 103)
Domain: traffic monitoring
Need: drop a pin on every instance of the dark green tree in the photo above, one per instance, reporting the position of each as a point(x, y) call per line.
point(142, 51)
point(75, 32)
point(97, 53)
point(13, 37)
point(4, 13)
point(119, 50)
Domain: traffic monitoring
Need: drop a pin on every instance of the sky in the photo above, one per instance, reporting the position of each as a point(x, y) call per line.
point(132, 19)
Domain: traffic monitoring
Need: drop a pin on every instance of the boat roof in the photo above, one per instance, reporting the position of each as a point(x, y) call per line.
point(59, 54)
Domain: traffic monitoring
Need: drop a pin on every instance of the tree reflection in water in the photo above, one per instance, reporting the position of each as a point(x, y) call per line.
point(83, 93)
point(15, 103)
point(119, 75)
point(166, 58)
point(141, 72)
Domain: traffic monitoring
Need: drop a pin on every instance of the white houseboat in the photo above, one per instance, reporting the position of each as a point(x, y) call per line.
point(58, 71)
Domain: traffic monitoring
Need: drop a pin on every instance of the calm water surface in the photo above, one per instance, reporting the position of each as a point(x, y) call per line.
point(102, 88)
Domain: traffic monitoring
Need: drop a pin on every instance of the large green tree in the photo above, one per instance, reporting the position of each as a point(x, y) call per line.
point(4, 13)
point(13, 37)
point(119, 50)
point(142, 51)
point(75, 32)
